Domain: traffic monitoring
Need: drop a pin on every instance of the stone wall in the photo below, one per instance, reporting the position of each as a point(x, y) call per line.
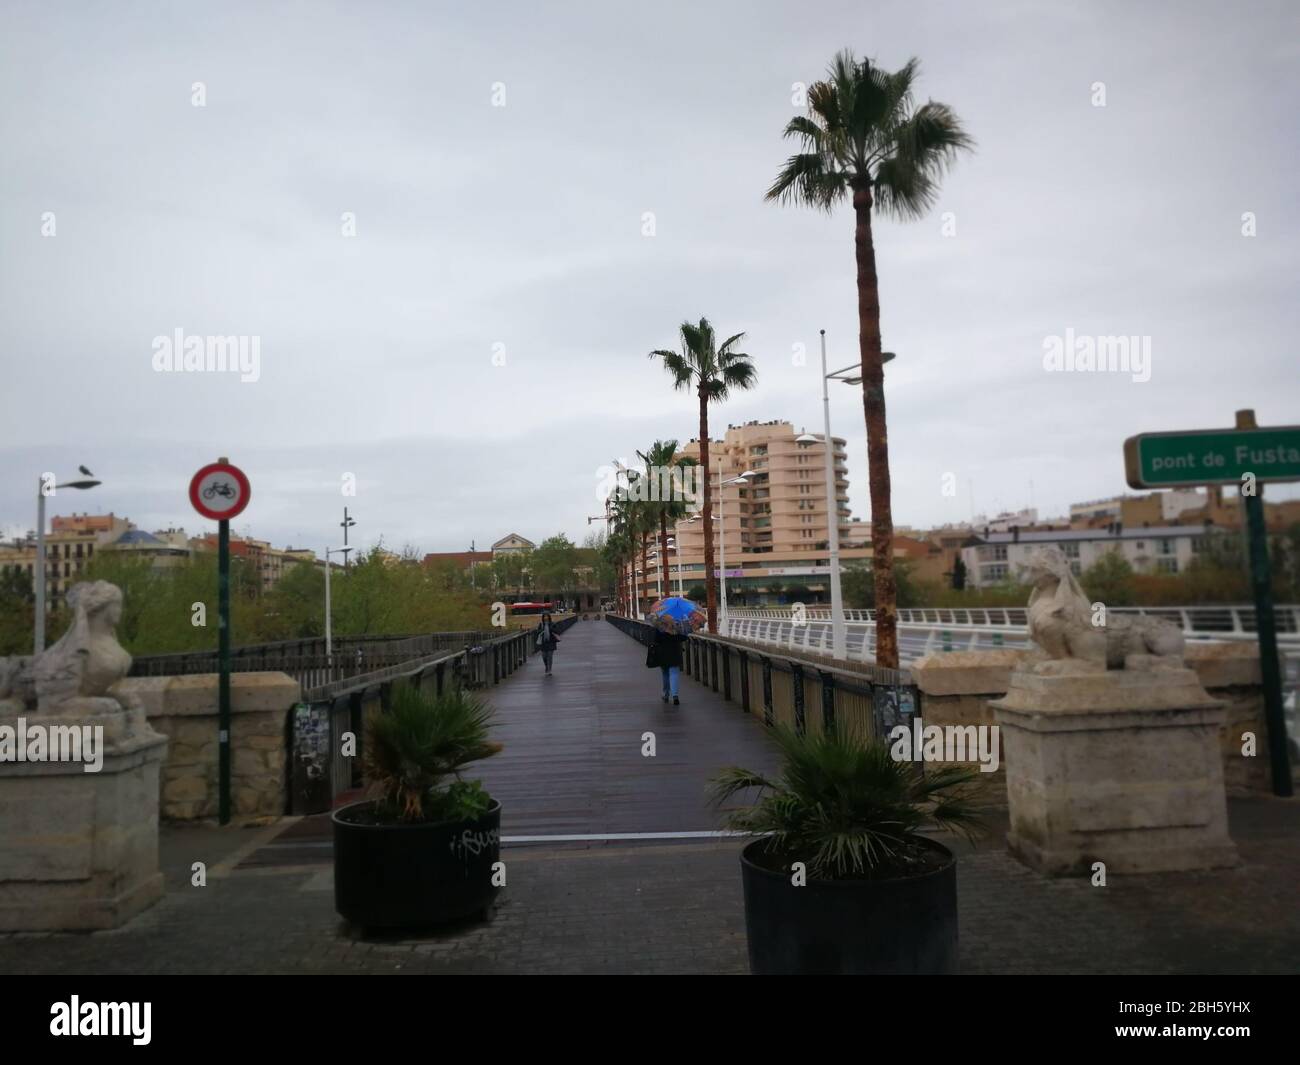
point(956, 687)
point(184, 709)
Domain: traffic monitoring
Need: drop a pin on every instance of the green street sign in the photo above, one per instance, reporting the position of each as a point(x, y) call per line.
point(1246, 457)
point(1212, 456)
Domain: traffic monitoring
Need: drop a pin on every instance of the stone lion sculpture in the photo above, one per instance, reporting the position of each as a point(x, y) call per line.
point(1062, 621)
point(82, 665)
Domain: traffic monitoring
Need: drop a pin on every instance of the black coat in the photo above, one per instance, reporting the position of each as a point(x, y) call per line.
point(668, 648)
point(545, 645)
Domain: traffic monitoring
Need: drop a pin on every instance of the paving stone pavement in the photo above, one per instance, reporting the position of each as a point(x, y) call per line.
point(677, 908)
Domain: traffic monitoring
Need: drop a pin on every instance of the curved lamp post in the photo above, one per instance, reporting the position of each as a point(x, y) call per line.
point(849, 375)
point(39, 642)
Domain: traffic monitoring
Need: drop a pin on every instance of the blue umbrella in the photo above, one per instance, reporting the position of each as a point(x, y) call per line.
point(676, 607)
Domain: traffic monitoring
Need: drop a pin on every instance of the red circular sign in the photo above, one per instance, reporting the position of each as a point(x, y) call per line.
point(220, 491)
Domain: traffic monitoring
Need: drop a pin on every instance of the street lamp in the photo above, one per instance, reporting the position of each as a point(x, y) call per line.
point(329, 643)
point(723, 628)
point(677, 539)
point(849, 375)
point(52, 484)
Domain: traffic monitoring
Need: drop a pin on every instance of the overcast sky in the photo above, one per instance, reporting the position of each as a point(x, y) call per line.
point(519, 231)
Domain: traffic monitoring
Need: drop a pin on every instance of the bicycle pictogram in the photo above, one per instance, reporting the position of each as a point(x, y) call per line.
point(219, 488)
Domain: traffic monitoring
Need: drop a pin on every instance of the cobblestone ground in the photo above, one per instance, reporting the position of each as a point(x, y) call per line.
point(678, 909)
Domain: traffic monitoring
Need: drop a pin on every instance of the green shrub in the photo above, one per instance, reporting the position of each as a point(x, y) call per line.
point(420, 742)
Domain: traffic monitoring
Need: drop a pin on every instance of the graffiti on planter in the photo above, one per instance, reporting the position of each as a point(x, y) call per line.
point(471, 842)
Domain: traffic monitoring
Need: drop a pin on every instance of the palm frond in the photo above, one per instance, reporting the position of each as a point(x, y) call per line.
point(843, 805)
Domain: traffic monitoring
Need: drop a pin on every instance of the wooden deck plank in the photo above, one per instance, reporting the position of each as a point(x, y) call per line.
point(572, 760)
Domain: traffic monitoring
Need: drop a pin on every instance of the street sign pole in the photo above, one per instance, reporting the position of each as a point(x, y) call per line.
point(220, 491)
point(1242, 456)
point(1261, 579)
point(223, 670)
point(1269, 666)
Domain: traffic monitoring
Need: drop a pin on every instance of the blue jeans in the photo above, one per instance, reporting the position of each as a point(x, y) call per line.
point(671, 673)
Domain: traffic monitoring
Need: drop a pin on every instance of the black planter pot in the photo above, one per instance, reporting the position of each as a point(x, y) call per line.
point(879, 927)
point(407, 876)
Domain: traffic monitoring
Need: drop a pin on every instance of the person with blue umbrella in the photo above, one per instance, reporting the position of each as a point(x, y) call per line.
point(674, 619)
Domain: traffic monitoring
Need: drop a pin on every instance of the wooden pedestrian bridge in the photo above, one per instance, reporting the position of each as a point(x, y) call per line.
point(592, 755)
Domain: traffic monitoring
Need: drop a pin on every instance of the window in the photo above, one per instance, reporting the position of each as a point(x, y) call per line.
point(1000, 552)
point(1165, 547)
point(1071, 550)
point(1167, 564)
point(1076, 568)
point(995, 572)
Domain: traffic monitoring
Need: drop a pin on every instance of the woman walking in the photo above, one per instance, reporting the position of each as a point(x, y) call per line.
point(668, 656)
point(546, 641)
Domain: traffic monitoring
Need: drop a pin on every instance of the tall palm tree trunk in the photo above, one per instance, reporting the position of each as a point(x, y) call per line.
point(645, 568)
point(873, 403)
point(667, 580)
point(710, 586)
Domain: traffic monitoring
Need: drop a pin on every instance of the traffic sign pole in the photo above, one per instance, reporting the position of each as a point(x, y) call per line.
point(1261, 579)
point(223, 671)
point(1269, 666)
point(219, 492)
point(1245, 456)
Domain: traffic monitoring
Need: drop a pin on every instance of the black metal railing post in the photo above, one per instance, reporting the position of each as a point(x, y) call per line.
point(768, 715)
point(796, 679)
point(828, 701)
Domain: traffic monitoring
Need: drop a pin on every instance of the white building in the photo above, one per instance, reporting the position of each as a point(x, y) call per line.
point(997, 557)
point(513, 544)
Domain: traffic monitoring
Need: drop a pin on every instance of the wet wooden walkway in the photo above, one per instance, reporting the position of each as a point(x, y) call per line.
point(573, 761)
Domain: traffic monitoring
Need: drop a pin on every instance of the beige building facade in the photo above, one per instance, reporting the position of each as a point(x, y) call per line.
point(773, 528)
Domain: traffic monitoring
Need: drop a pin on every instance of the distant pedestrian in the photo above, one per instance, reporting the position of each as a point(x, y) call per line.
point(667, 650)
point(546, 641)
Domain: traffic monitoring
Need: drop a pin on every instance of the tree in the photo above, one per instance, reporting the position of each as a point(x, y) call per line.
point(697, 593)
point(553, 563)
point(860, 587)
point(663, 456)
point(17, 612)
point(864, 139)
point(775, 588)
point(712, 370)
point(958, 574)
point(1109, 580)
point(798, 593)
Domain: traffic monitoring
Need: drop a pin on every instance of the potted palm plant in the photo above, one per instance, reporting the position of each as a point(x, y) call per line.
point(422, 849)
point(841, 879)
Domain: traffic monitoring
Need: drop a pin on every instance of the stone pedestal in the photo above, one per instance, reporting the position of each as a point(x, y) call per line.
point(1120, 766)
point(184, 710)
point(79, 850)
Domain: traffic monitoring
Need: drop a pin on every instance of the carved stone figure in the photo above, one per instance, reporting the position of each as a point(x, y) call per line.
point(72, 678)
point(1062, 623)
point(87, 659)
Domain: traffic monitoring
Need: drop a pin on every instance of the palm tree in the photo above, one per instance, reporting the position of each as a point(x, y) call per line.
point(627, 519)
point(663, 456)
point(712, 370)
point(864, 138)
